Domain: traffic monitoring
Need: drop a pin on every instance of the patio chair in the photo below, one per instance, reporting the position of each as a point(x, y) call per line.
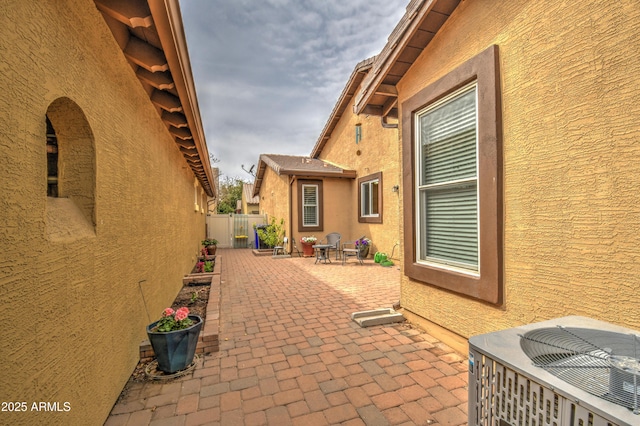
point(332, 239)
point(282, 248)
point(347, 251)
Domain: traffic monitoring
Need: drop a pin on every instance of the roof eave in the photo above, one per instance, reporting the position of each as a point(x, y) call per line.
point(418, 13)
point(349, 174)
point(168, 19)
point(257, 183)
point(151, 36)
point(266, 161)
point(355, 79)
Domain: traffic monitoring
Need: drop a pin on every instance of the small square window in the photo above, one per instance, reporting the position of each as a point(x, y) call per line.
point(370, 198)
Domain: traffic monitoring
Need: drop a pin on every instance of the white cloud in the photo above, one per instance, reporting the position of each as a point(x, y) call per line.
point(268, 73)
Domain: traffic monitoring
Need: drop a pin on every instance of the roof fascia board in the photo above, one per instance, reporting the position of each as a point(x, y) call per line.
point(265, 161)
point(415, 14)
point(355, 79)
point(168, 20)
point(280, 170)
point(257, 183)
point(338, 174)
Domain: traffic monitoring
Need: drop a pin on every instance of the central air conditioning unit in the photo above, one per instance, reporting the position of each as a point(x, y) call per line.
point(563, 372)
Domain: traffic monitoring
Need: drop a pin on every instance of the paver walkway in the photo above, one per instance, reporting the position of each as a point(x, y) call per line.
point(290, 355)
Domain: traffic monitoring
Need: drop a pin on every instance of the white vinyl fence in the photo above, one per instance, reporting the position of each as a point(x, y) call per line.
point(234, 230)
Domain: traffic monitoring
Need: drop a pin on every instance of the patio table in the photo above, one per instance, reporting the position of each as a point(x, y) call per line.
point(321, 252)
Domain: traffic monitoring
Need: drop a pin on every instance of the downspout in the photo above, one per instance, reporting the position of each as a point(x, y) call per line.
point(383, 121)
point(293, 177)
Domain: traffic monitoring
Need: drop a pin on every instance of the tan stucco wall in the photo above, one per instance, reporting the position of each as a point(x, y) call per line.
point(77, 297)
point(571, 107)
point(274, 197)
point(274, 202)
point(335, 214)
point(249, 208)
point(376, 152)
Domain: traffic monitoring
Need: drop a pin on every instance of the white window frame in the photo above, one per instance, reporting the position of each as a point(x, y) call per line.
point(316, 205)
point(473, 270)
point(367, 182)
point(488, 287)
point(364, 205)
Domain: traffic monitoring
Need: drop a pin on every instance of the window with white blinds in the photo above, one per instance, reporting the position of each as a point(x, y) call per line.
point(447, 192)
point(452, 149)
point(310, 205)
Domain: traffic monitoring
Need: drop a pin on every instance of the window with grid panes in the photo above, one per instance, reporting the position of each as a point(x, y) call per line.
point(447, 210)
point(452, 148)
point(370, 198)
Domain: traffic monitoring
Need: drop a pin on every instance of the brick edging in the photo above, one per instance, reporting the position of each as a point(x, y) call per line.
point(208, 339)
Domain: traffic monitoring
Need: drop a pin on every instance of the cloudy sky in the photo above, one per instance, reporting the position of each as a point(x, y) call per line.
point(268, 72)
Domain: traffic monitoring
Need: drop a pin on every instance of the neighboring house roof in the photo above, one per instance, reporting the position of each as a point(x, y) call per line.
point(416, 29)
point(297, 165)
point(358, 74)
point(247, 194)
point(151, 36)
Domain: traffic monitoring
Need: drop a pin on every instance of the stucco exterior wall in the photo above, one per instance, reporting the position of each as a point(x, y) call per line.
point(274, 197)
point(250, 208)
point(571, 105)
point(377, 151)
point(336, 214)
point(78, 286)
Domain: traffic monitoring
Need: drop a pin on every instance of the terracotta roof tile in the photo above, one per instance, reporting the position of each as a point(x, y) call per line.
point(288, 164)
point(299, 166)
point(247, 193)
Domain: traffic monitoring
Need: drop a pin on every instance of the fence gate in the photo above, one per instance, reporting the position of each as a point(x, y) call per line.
point(234, 230)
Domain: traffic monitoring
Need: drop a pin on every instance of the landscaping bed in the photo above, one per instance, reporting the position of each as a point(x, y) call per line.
point(195, 297)
point(206, 303)
point(204, 277)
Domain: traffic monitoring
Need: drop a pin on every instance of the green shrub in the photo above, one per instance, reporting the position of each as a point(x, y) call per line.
point(273, 234)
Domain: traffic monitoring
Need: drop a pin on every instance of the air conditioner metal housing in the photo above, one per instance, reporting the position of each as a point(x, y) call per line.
point(506, 388)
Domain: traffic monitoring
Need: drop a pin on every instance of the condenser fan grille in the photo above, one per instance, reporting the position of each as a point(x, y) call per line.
point(603, 363)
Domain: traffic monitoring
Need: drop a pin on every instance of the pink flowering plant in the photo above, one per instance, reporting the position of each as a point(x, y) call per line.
point(309, 240)
point(206, 266)
point(174, 320)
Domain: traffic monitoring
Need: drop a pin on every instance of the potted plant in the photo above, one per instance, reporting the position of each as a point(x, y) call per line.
point(174, 338)
point(363, 244)
point(272, 235)
point(211, 244)
point(307, 245)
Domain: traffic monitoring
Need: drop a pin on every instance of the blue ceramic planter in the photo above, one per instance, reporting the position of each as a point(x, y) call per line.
point(175, 350)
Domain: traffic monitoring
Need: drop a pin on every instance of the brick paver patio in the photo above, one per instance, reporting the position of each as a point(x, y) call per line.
point(290, 355)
